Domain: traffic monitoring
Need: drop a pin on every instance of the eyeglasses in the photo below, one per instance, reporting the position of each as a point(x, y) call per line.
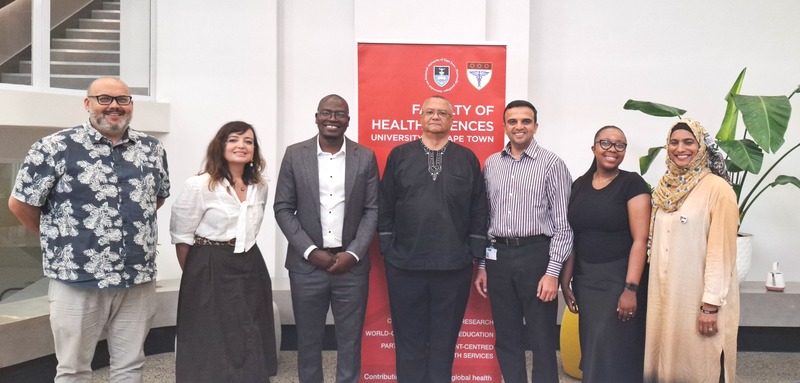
point(337, 115)
point(105, 99)
point(606, 144)
point(430, 112)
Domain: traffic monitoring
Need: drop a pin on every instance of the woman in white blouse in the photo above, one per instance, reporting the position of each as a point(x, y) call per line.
point(225, 326)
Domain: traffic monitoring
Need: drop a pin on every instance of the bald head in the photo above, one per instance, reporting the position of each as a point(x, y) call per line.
point(440, 98)
point(331, 97)
point(102, 82)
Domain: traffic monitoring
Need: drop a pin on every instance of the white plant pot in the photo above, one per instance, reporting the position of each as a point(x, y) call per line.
point(744, 255)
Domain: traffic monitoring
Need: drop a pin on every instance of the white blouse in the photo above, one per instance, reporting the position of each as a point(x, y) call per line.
point(217, 214)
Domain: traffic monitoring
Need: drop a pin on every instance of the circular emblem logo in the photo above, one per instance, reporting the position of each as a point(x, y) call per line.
point(441, 75)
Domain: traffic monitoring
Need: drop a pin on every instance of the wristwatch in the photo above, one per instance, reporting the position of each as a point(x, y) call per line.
point(632, 286)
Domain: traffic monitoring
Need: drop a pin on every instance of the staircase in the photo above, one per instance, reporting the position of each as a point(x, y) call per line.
point(84, 54)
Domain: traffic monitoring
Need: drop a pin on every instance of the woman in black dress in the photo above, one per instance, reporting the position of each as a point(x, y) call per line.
point(609, 211)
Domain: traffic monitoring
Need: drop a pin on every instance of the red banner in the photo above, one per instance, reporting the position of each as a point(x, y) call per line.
point(393, 81)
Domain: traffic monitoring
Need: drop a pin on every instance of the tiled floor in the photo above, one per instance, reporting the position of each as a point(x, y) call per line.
point(753, 367)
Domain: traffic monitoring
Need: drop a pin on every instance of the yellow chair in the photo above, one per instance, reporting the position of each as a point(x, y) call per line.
point(570, 345)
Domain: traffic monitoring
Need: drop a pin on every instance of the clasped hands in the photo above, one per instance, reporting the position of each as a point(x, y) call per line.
point(337, 263)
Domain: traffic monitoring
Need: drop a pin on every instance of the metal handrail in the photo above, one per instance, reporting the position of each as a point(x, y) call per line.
point(15, 23)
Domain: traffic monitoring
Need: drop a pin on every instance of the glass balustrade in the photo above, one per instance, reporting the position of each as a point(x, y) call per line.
point(20, 254)
point(16, 35)
point(66, 44)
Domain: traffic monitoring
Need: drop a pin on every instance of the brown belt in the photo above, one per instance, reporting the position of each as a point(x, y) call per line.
point(198, 240)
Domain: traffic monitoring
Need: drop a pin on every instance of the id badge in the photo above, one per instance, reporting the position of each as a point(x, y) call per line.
point(491, 253)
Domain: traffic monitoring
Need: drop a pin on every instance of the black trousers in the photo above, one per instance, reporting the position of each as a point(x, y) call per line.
point(427, 310)
point(519, 315)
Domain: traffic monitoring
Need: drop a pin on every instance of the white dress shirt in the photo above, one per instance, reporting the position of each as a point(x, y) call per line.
point(217, 214)
point(331, 198)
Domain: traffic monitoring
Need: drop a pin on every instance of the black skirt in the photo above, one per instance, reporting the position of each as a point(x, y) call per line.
point(225, 328)
point(611, 350)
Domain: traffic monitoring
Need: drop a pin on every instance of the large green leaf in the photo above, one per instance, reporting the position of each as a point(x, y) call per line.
point(785, 180)
point(654, 109)
point(766, 119)
point(732, 168)
point(647, 160)
point(744, 153)
point(727, 131)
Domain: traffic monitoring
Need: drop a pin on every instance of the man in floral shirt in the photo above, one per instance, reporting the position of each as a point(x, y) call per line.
point(92, 192)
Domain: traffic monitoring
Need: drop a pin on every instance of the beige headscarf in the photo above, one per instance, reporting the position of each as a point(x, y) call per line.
point(678, 182)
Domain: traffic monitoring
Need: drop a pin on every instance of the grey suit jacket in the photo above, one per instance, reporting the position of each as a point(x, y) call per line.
point(297, 202)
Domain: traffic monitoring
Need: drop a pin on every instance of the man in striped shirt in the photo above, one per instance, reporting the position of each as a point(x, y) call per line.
point(528, 189)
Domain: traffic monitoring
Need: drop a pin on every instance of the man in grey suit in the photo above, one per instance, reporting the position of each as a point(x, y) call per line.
point(326, 204)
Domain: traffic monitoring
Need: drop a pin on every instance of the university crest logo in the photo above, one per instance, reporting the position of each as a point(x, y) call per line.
point(441, 75)
point(479, 74)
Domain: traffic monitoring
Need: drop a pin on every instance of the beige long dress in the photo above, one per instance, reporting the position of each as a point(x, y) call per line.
point(693, 260)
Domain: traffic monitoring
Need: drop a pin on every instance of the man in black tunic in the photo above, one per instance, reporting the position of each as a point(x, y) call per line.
point(431, 224)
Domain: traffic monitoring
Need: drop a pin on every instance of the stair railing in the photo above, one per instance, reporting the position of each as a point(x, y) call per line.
point(28, 28)
point(27, 23)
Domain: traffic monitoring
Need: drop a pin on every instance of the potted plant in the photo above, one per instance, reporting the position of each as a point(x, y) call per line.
point(766, 119)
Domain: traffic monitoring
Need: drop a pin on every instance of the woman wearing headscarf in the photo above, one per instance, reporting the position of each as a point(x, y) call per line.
point(225, 325)
point(693, 297)
point(609, 211)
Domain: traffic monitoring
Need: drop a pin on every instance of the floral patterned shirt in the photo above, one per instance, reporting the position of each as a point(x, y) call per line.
point(98, 201)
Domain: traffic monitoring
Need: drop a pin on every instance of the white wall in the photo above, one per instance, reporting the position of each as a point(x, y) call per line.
point(215, 63)
point(269, 63)
point(588, 58)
